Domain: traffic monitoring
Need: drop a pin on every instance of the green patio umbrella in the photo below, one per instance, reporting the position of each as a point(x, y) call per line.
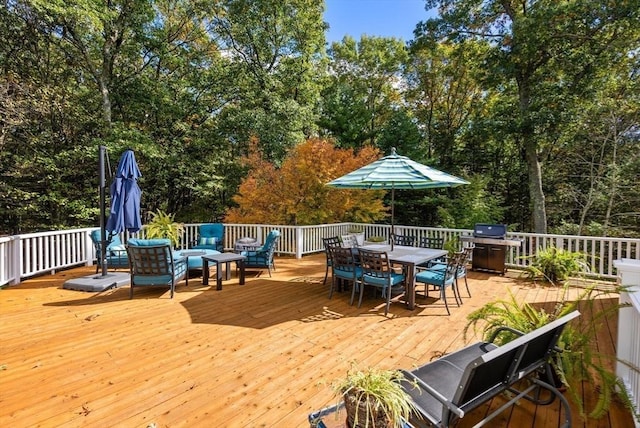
point(396, 172)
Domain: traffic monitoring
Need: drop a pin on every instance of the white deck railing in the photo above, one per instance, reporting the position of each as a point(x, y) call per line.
point(628, 349)
point(27, 255)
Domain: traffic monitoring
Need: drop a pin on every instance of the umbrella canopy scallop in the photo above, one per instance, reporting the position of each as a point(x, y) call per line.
point(396, 172)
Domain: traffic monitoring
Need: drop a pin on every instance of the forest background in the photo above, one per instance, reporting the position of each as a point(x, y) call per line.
point(237, 110)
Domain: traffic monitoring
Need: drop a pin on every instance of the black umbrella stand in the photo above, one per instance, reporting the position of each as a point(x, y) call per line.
point(105, 280)
point(102, 161)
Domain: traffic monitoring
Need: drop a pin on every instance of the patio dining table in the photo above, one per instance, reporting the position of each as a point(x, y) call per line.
point(408, 257)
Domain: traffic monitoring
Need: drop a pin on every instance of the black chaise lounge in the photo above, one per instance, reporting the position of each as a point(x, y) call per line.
point(446, 389)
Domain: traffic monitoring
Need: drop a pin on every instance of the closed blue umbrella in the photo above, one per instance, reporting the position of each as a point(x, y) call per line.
point(125, 196)
point(396, 172)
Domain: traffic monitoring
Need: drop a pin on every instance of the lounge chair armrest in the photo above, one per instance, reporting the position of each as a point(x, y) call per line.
point(435, 394)
point(502, 329)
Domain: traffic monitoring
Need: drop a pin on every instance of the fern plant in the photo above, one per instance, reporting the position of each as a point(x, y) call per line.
point(579, 360)
point(163, 225)
point(556, 265)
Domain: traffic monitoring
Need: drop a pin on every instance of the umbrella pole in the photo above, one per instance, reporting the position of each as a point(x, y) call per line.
point(103, 231)
point(392, 214)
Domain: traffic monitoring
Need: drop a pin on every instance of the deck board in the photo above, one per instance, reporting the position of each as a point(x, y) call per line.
point(259, 355)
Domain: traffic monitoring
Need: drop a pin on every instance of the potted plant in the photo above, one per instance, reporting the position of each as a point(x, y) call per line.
point(376, 239)
point(374, 398)
point(163, 225)
point(556, 265)
point(358, 232)
point(578, 360)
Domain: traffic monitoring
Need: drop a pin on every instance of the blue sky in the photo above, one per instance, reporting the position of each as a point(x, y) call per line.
point(388, 18)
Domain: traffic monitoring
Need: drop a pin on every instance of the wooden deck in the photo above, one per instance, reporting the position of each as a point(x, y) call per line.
point(259, 355)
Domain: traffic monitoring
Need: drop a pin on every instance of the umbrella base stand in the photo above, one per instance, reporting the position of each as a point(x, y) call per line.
point(98, 282)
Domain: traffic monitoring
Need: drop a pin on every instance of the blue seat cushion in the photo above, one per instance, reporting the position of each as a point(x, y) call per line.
point(347, 274)
point(395, 278)
point(195, 262)
point(434, 277)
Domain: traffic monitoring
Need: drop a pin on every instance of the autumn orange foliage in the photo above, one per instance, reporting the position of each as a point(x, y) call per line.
point(297, 194)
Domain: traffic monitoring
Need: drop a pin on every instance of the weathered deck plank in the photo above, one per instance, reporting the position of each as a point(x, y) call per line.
point(262, 354)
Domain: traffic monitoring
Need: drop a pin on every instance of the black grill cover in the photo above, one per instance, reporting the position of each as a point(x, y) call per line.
point(498, 231)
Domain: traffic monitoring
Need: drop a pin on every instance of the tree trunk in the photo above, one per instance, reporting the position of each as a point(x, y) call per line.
point(534, 168)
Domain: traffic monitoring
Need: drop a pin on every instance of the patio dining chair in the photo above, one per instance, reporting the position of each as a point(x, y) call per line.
point(440, 279)
point(327, 242)
point(462, 259)
point(403, 240)
point(344, 268)
point(377, 272)
point(154, 264)
point(431, 242)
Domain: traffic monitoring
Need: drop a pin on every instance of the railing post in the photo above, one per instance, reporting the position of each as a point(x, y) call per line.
point(88, 247)
point(16, 259)
point(628, 349)
point(299, 242)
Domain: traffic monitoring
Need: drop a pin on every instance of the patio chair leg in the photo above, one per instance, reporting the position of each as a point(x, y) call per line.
point(326, 274)
point(456, 292)
point(333, 284)
point(466, 284)
point(361, 293)
point(443, 296)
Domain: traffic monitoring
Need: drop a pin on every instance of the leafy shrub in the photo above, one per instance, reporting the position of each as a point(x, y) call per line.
point(162, 225)
point(556, 265)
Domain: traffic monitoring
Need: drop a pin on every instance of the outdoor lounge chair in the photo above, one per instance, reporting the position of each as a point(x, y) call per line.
point(262, 257)
point(446, 389)
point(153, 264)
point(210, 237)
point(116, 253)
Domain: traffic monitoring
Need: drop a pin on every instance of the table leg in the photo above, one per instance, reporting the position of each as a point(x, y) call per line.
point(411, 290)
point(219, 276)
point(241, 267)
point(228, 270)
point(205, 272)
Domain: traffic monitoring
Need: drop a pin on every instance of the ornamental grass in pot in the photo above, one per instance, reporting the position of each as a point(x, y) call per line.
point(374, 398)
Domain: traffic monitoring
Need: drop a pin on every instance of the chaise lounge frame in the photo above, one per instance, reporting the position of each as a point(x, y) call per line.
point(446, 389)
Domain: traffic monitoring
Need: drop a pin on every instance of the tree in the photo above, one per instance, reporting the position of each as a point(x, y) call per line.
point(95, 34)
point(363, 89)
point(276, 49)
point(550, 49)
point(297, 194)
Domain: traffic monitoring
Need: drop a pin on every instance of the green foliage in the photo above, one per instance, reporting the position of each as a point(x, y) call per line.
point(377, 390)
point(556, 265)
point(579, 360)
point(189, 84)
point(162, 225)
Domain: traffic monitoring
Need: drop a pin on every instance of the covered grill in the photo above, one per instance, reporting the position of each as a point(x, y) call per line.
point(490, 248)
